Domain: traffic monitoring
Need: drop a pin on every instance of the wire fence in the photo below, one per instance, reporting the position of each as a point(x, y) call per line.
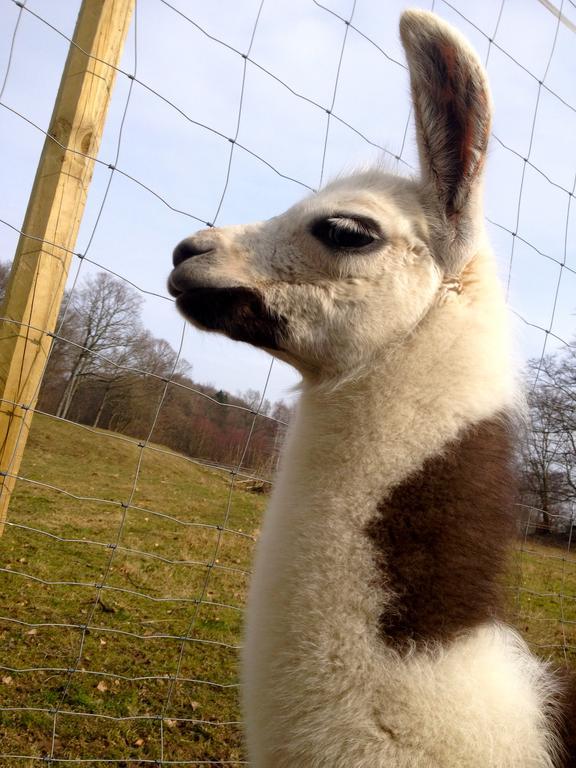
point(125, 559)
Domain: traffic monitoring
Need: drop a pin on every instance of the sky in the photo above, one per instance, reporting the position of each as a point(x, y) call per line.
point(293, 61)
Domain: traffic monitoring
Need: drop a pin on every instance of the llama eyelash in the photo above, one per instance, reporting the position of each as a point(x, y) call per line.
point(343, 232)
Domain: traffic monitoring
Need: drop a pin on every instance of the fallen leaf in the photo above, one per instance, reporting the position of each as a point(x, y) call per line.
point(32, 632)
point(102, 687)
point(7, 680)
point(138, 742)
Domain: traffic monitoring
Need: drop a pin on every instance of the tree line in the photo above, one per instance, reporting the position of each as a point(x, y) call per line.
point(548, 457)
point(107, 371)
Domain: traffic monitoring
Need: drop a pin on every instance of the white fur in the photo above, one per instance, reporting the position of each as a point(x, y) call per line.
point(400, 348)
point(320, 688)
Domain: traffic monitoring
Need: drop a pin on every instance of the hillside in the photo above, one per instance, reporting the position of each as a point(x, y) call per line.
point(77, 483)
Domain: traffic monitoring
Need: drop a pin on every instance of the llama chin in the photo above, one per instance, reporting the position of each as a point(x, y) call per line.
point(373, 637)
point(239, 313)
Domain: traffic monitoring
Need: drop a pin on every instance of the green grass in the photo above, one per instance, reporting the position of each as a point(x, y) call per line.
point(178, 505)
point(543, 604)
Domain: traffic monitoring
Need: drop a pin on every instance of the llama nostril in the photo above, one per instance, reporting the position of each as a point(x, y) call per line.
point(187, 249)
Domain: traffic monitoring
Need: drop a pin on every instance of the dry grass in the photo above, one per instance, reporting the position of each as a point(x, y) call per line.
point(543, 604)
point(187, 498)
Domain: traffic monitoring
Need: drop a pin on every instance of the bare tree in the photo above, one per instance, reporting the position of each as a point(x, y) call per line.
point(254, 401)
point(134, 395)
point(549, 449)
point(559, 373)
point(103, 323)
point(5, 267)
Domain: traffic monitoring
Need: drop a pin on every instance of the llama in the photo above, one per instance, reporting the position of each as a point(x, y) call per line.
point(374, 637)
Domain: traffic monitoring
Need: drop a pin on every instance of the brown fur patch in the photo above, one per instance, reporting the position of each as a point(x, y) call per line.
point(566, 722)
point(442, 538)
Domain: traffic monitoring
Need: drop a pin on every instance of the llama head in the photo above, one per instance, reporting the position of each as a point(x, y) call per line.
point(353, 269)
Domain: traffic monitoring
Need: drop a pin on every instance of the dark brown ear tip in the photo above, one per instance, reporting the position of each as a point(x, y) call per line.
point(427, 38)
point(416, 26)
point(419, 28)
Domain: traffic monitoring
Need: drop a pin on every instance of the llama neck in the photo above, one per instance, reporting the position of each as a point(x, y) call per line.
point(453, 372)
point(412, 463)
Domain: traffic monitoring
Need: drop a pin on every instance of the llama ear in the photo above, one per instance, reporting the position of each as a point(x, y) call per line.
point(453, 115)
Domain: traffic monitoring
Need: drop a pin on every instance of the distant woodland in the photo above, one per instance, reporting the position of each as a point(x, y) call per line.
point(548, 455)
point(106, 370)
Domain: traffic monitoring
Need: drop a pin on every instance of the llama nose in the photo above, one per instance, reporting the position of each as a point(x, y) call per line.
point(187, 249)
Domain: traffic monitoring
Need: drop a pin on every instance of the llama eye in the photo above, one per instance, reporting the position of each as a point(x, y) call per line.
point(342, 233)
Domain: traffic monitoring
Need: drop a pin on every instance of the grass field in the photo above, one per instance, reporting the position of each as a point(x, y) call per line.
point(179, 570)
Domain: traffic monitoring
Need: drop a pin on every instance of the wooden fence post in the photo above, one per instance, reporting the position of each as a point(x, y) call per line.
point(36, 286)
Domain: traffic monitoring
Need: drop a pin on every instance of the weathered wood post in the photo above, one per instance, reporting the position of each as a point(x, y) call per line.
point(36, 286)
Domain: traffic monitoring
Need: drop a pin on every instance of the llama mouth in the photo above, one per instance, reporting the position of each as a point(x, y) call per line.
point(239, 313)
point(173, 288)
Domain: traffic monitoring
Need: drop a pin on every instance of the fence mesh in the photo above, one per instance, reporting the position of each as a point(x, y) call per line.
point(126, 551)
